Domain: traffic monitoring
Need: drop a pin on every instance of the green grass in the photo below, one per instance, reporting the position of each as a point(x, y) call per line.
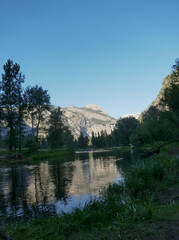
point(169, 212)
point(41, 155)
point(128, 211)
point(51, 154)
point(124, 148)
point(156, 172)
point(172, 149)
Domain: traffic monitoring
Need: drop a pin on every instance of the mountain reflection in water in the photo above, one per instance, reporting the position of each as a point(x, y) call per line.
point(51, 187)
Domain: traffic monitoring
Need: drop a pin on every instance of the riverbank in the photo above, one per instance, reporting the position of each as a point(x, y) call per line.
point(40, 155)
point(98, 150)
point(146, 207)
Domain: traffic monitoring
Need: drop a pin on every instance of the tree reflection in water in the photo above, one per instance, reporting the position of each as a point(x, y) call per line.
point(47, 188)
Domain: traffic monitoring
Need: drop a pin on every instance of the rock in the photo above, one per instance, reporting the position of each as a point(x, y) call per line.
point(88, 119)
point(135, 115)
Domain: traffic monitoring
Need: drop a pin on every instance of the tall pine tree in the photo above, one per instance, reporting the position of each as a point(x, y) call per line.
point(11, 97)
point(55, 131)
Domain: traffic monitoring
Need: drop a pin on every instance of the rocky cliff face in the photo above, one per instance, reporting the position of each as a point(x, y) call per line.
point(135, 115)
point(165, 84)
point(88, 119)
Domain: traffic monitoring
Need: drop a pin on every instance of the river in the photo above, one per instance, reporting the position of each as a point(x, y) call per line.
point(54, 186)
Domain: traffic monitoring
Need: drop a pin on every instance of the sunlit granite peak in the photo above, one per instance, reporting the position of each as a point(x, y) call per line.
point(94, 107)
point(88, 119)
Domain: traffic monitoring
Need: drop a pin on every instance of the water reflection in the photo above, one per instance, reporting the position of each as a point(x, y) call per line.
point(51, 187)
point(93, 173)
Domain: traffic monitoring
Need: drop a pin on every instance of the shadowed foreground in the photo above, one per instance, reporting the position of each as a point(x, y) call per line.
point(146, 207)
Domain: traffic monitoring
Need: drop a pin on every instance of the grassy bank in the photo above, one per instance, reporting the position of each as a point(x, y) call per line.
point(50, 154)
point(40, 155)
point(145, 207)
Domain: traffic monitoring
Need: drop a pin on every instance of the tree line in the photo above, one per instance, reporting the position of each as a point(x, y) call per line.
point(18, 105)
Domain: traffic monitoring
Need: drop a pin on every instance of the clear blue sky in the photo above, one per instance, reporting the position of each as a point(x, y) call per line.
point(113, 53)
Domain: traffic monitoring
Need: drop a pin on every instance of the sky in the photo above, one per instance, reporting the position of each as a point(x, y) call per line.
point(113, 53)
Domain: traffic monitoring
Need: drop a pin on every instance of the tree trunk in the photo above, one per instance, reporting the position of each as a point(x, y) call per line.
point(10, 136)
point(39, 118)
point(32, 116)
point(20, 128)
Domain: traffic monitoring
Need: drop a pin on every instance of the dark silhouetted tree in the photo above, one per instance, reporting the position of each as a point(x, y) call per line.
point(55, 130)
point(59, 135)
point(171, 93)
point(11, 96)
point(68, 139)
point(124, 128)
point(82, 141)
point(37, 103)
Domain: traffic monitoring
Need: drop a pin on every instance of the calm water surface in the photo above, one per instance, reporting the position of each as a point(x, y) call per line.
point(51, 187)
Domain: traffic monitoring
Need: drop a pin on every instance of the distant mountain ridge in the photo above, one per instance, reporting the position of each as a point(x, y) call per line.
point(88, 119)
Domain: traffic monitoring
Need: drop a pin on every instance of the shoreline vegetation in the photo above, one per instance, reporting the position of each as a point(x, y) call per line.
point(39, 155)
point(51, 154)
point(145, 207)
point(42, 154)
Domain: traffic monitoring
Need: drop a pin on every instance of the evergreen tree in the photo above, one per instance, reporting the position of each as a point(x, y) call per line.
point(93, 139)
point(11, 91)
point(59, 135)
point(82, 141)
point(171, 93)
point(68, 139)
point(1, 118)
point(20, 118)
point(56, 128)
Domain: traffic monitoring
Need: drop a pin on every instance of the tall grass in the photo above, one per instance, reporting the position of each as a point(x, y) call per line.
point(171, 149)
point(151, 175)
